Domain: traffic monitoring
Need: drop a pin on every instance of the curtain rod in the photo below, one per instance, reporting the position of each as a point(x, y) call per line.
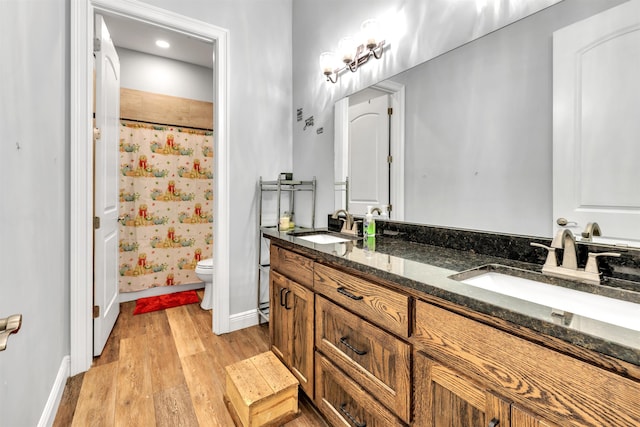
point(164, 124)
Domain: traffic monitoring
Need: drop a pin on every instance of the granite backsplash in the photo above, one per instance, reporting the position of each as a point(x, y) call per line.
point(619, 272)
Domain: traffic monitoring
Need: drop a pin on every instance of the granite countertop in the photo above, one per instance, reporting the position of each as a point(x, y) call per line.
point(427, 269)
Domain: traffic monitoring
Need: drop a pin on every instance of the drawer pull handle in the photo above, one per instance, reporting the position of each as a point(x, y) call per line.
point(355, 422)
point(346, 293)
point(494, 422)
point(343, 340)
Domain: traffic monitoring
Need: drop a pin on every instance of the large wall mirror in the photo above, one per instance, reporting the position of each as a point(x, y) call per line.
point(478, 130)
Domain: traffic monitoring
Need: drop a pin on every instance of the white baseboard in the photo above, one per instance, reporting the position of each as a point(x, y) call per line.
point(55, 396)
point(160, 290)
point(243, 320)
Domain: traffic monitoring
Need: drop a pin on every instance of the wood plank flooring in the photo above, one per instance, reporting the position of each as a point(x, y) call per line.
point(164, 368)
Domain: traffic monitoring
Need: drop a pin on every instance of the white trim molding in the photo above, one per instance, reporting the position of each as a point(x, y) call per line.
point(81, 211)
point(55, 396)
point(396, 93)
point(397, 134)
point(158, 290)
point(243, 320)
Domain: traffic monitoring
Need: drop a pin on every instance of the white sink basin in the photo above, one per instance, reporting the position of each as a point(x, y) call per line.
point(609, 310)
point(323, 238)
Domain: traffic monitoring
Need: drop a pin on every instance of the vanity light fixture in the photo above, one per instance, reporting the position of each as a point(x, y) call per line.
point(351, 55)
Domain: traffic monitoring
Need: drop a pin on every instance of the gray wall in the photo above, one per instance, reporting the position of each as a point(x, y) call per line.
point(34, 206)
point(151, 73)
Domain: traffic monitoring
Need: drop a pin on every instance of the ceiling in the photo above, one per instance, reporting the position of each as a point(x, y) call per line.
point(140, 36)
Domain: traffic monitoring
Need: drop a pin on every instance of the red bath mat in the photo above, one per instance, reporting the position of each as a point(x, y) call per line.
point(160, 302)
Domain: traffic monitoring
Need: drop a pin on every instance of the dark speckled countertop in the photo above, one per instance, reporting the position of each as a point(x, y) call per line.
point(432, 269)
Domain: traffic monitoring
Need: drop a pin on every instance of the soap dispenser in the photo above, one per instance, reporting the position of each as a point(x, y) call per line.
point(369, 226)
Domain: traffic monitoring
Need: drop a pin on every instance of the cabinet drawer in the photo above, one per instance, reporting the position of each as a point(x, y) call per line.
point(374, 358)
point(561, 388)
point(292, 265)
point(344, 402)
point(385, 307)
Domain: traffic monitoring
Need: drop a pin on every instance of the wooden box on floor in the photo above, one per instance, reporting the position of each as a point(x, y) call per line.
point(260, 391)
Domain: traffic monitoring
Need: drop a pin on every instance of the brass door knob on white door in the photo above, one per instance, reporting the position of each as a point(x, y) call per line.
point(9, 325)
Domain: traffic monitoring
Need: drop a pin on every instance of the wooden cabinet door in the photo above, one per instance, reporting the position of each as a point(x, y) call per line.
point(445, 398)
point(291, 327)
point(279, 324)
point(299, 303)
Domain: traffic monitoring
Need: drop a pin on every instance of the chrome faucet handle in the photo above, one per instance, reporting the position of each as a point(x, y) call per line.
point(551, 255)
point(592, 261)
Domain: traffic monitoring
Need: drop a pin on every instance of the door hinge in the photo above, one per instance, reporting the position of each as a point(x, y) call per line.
point(97, 45)
point(390, 111)
point(96, 222)
point(96, 311)
point(97, 134)
point(389, 159)
point(390, 207)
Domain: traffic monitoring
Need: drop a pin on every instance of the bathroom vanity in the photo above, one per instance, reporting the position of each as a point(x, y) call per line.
point(393, 335)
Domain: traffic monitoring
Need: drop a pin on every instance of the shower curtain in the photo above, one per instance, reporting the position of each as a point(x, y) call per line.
point(166, 198)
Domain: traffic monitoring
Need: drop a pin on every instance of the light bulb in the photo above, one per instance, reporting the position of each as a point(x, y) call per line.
point(370, 30)
point(347, 48)
point(328, 62)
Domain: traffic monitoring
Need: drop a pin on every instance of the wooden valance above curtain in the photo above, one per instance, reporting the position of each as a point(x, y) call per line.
point(170, 110)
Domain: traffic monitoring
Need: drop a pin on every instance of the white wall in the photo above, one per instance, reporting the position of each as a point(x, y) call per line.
point(34, 207)
point(260, 115)
point(151, 73)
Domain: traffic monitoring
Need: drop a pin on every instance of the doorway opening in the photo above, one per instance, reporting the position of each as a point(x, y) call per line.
point(81, 165)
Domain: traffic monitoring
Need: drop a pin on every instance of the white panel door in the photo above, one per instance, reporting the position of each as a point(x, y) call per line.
point(596, 123)
point(106, 179)
point(368, 147)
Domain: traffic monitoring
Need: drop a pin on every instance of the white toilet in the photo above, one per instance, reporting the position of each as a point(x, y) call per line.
point(204, 271)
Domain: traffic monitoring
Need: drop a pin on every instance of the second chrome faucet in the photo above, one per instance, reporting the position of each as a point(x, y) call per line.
point(565, 240)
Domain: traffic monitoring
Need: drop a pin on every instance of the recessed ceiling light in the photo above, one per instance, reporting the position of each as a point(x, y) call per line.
point(163, 44)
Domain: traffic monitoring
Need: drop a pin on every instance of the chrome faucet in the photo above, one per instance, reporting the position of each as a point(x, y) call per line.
point(348, 226)
point(564, 239)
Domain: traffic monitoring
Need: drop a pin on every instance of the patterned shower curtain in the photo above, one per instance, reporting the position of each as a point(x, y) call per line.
point(166, 197)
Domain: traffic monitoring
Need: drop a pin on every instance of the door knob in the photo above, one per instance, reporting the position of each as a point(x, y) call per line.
point(9, 325)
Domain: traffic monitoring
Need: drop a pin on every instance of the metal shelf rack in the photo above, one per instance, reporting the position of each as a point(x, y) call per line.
point(281, 187)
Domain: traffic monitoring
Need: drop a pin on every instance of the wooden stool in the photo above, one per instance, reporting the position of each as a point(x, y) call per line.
point(260, 391)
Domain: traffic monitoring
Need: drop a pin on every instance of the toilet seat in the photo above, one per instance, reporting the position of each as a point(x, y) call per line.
point(205, 264)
